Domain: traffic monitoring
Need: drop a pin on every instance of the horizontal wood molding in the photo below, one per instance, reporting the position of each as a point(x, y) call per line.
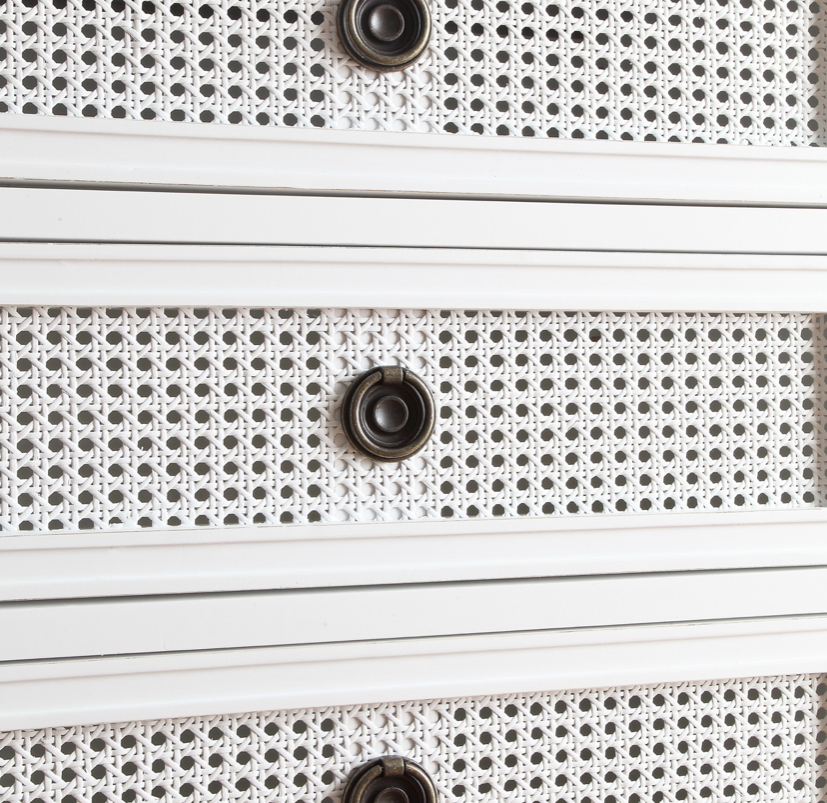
point(88, 691)
point(419, 278)
point(155, 154)
point(189, 622)
point(50, 566)
point(129, 216)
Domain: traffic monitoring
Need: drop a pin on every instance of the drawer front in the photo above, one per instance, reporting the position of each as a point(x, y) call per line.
point(147, 418)
point(689, 71)
point(752, 739)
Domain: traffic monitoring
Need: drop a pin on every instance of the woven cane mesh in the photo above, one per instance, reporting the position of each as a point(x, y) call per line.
point(754, 740)
point(746, 71)
point(163, 417)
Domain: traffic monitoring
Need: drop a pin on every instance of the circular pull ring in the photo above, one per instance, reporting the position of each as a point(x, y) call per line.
point(385, 35)
point(388, 414)
point(391, 779)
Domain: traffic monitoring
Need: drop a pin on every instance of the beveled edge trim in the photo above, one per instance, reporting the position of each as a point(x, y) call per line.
point(89, 691)
point(136, 153)
point(119, 563)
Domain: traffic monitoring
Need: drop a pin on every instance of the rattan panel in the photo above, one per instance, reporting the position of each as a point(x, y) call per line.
point(757, 740)
point(163, 417)
point(685, 70)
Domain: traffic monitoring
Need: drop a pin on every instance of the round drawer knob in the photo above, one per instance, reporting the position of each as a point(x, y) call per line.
point(386, 22)
point(385, 35)
point(388, 414)
point(391, 779)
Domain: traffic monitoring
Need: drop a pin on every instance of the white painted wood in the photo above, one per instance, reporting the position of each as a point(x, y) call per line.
point(125, 152)
point(426, 278)
point(49, 566)
point(74, 215)
point(278, 233)
point(60, 629)
point(88, 691)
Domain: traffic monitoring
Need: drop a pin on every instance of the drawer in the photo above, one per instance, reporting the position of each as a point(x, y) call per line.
point(619, 387)
point(197, 417)
point(181, 448)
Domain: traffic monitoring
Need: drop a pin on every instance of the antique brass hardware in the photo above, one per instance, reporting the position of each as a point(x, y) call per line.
point(388, 413)
point(391, 779)
point(385, 35)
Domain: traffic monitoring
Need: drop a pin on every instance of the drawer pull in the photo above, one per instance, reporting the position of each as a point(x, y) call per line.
point(391, 779)
point(388, 413)
point(385, 35)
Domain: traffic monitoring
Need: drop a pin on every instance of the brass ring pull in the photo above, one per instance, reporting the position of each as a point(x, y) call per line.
point(391, 779)
point(388, 413)
point(385, 35)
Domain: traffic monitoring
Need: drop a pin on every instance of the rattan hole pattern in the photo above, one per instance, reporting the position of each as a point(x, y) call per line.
point(130, 418)
point(757, 740)
point(739, 71)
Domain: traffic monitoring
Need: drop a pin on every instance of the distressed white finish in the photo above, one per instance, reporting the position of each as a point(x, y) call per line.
point(407, 278)
point(86, 691)
point(310, 556)
point(39, 149)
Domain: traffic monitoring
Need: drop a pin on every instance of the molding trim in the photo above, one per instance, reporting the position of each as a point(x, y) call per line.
point(37, 150)
point(83, 692)
point(111, 564)
point(418, 278)
point(49, 630)
point(208, 218)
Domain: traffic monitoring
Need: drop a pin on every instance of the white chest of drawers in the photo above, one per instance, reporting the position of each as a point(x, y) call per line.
point(625, 343)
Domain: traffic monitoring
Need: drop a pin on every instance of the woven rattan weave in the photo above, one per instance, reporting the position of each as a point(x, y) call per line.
point(757, 740)
point(164, 417)
point(740, 71)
